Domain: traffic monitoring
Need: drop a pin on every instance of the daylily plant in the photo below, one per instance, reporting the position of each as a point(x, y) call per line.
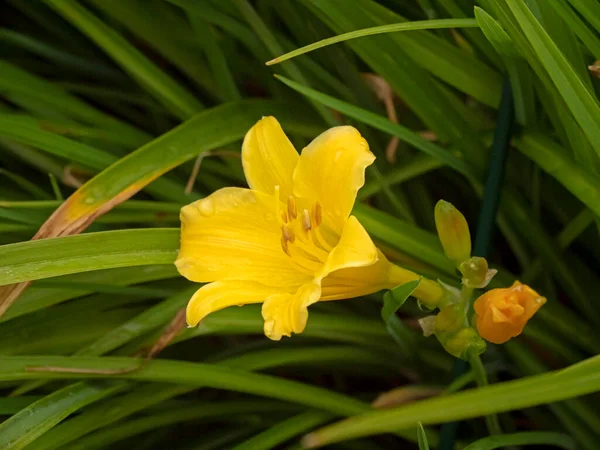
point(290, 240)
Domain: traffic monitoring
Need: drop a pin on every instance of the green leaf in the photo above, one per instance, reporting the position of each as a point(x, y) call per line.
point(39, 296)
point(554, 161)
point(422, 438)
point(525, 438)
point(581, 102)
point(519, 73)
point(180, 102)
point(384, 124)
point(33, 260)
point(285, 430)
point(579, 379)
point(404, 26)
point(392, 302)
point(15, 80)
point(186, 375)
point(30, 423)
point(199, 412)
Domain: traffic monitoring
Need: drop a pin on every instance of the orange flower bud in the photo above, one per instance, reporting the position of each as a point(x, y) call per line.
point(502, 313)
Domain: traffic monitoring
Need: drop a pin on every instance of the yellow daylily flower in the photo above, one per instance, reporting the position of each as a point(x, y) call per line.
point(290, 240)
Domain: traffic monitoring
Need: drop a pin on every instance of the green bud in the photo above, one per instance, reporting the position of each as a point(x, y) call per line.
point(476, 273)
point(465, 341)
point(449, 320)
point(453, 232)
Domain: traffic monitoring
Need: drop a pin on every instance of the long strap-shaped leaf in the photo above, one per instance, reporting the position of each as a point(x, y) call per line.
point(580, 379)
point(580, 100)
point(207, 130)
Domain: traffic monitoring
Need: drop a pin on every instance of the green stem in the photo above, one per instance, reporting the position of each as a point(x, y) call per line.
point(491, 421)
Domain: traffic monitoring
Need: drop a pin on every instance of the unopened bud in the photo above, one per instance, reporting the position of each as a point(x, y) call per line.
point(476, 273)
point(465, 342)
point(453, 232)
point(449, 320)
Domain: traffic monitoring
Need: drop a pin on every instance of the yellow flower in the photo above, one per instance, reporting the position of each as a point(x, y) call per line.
point(288, 241)
point(502, 313)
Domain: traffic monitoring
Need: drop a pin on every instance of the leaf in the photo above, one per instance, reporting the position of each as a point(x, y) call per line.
point(176, 98)
point(43, 258)
point(395, 27)
point(555, 162)
point(284, 430)
point(30, 423)
point(519, 73)
point(381, 123)
point(581, 102)
point(525, 438)
point(422, 438)
point(183, 374)
point(392, 301)
point(579, 379)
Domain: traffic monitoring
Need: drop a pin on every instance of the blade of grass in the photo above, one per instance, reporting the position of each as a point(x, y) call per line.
point(168, 33)
point(579, 27)
point(33, 260)
point(285, 430)
point(204, 411)
point(270, 42)
point(39, 297)
point(166, 90)
point(383, 124)
point(404, 26)
point(579, 99)
point(16, 80)
point(33, 421)
point(180, 373)
point(579, 379)
point(525, 438)
point(556, 163)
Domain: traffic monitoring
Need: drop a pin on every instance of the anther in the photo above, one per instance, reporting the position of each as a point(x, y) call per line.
point(288, 233)
point(306, 220)
point(291, 207)
point(284, 217)
point(317, 214)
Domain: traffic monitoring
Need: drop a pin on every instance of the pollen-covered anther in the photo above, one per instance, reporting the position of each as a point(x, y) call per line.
point(284, 217)
point(306, 222)
point(291, 208)
point(288, 233)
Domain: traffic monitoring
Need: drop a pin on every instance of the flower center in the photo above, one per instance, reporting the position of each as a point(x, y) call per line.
point(301, 235)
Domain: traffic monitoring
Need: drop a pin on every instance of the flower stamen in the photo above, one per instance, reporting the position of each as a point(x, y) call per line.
point(306, 222)
point(291, 208)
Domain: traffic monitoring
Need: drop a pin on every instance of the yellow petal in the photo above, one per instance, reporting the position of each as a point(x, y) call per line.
point(233, 235)
point(269, 158)
point(331, 170)
point(354, 249)
point(285, 314)
point(221, 294)
point(356, 281)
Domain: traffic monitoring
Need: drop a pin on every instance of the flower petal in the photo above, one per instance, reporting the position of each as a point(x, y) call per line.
point(269, 158)
point(354, 249)
point(285, 314)
point(356, 281)
point(221, 294)
point(331, 170)
point(233, 235)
